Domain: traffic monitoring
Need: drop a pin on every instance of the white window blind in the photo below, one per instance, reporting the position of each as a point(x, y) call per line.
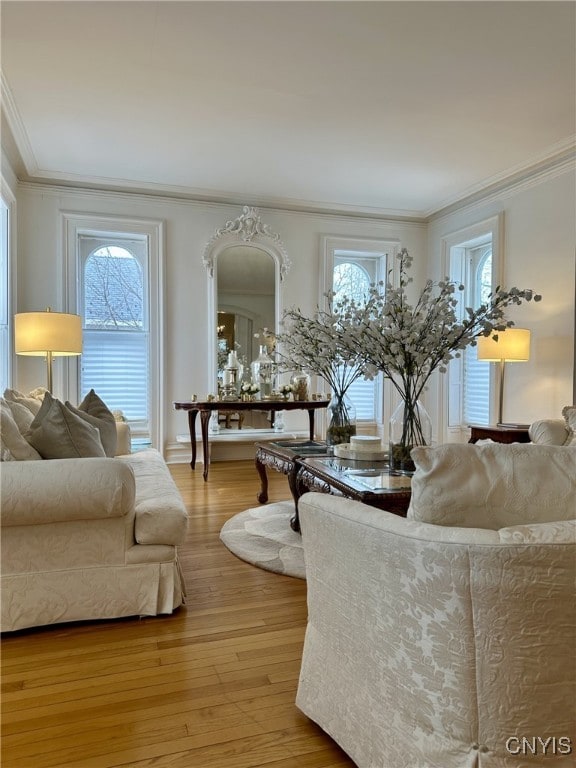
point(354, 271)
point(115, 312)
point(476, 400)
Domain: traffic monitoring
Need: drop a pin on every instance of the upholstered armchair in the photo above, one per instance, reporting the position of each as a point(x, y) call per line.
point(439, 646)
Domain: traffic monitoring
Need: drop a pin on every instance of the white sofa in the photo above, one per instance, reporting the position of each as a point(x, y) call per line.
point(86, 538)
point(438, 646)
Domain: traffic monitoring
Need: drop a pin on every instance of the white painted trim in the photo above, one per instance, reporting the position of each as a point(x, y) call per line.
point(387, 247)
point(227, 237)
point(495, 226)
point(16, 125)
point(560, 159)
point(72, 224)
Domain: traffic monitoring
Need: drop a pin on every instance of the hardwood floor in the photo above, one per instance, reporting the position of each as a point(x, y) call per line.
point(211, 686)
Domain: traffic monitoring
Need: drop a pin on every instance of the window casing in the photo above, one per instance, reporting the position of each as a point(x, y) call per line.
point(467, 392)
point(5, 345)
point(115, 322)
point(114, 280)
point(350, 266)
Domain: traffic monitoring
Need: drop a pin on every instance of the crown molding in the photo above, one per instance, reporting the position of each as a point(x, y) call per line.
point(16, 125)
point(559, 159)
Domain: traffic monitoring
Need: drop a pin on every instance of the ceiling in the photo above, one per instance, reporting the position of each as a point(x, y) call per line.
point(385, 108)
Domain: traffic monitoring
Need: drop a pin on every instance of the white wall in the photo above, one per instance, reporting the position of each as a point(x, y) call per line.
point(539, 253)
point(188, 227)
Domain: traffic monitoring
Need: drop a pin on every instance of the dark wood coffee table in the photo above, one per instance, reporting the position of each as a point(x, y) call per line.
point(283, 456)
point(369, 482)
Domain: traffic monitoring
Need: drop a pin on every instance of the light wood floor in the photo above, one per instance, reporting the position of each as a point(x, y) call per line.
point(211, 686)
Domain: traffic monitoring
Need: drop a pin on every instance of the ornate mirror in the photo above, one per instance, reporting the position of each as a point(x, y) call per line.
point(246, 262)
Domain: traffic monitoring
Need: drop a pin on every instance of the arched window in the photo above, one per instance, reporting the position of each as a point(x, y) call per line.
point(113, 289)
point(351, 281)
point(353, 273)
point(114, 309)
point(476, 385)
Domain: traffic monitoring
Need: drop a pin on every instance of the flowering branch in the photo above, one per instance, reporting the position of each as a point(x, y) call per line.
point(318, 345)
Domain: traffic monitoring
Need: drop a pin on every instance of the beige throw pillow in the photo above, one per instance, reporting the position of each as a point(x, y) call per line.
point(94, 411)
point(493, 486)
point(58, 433)
point(13, 446)
point(32, 403)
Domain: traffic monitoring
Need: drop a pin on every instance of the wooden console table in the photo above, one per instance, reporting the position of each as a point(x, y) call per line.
point(206, 408)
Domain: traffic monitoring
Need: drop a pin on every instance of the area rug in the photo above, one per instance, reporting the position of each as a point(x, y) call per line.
point(262, 536)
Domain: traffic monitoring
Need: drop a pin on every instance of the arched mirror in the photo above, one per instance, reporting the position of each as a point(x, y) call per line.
point(246, 262)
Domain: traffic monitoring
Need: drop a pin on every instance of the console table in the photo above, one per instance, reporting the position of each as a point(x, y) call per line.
point(206, 407)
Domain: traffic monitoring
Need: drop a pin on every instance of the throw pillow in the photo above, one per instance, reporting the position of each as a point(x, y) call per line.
point(493, 486)
point(21, 415)
point(32, 403)
point(94, 411)
point(549, 432)
point(13, 446)
point(58, 433)
point(569, 413)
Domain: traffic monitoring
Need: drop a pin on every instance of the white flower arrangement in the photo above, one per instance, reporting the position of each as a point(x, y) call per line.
point(286, 389)
point(249, 388)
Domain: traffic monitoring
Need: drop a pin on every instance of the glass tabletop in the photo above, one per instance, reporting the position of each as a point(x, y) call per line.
point(374, 476)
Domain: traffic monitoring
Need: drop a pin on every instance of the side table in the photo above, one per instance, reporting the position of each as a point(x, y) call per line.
point(499, 433)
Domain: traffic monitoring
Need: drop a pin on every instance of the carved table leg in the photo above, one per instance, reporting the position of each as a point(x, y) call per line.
point(204, 419)
point(192, 427)
point(261, 469)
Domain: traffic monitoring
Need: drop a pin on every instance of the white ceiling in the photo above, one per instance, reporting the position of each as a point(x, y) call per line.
point(382, 107)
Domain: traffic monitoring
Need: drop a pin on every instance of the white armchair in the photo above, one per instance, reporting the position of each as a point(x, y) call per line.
point(434, 646)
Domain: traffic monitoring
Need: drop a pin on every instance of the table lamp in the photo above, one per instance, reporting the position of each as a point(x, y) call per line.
point(510, 346)
point(47, 334)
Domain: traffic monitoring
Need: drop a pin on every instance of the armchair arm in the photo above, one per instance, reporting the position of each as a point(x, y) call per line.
point(58, 490)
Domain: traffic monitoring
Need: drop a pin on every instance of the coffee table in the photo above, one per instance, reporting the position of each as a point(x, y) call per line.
point(369, 482)
point(283, 455)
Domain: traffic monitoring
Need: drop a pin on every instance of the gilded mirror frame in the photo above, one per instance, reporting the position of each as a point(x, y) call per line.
point(246, 230)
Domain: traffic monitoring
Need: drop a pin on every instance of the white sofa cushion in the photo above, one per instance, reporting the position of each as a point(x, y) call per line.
point(65, 490)
point(58, 433)
point(161, 516)
point(493, 486)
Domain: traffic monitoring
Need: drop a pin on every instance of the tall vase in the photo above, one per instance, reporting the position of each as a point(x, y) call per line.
point(410, 425)
point(263, 372)
point(341, 420)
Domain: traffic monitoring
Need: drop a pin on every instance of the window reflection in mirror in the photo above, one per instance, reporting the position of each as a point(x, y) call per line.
point(246, 302)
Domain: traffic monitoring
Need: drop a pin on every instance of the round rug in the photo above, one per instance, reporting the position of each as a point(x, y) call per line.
point(262, 536)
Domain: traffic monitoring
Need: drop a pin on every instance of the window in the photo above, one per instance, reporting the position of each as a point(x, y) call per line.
point(476, 381)
point(352, 277)
point(4, 296)
point(472, 257)
point(115, 325)
point(115, 280)
point(351, 265)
